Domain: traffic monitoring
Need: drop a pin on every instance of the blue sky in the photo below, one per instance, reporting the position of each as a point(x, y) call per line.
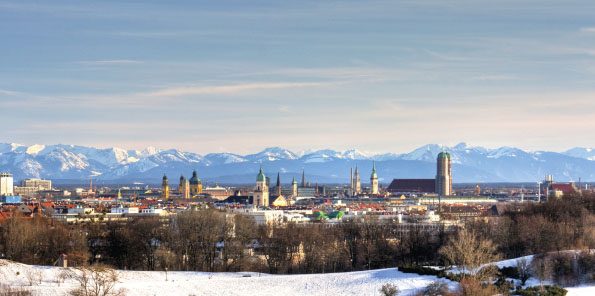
point(238, 76)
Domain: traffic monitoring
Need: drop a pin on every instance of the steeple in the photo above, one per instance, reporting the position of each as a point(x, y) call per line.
point(303, 178)
point(278, 184)
point(374, 175)
point(374, 179)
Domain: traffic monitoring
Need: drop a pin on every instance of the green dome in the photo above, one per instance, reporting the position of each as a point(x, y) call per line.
point(164, 177)
point(374, 175)
point(294, 182)
point(443, 155)
point(194, 180)
point(260, 177)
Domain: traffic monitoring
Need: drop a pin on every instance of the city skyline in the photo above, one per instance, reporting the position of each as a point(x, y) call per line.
point(237, 77)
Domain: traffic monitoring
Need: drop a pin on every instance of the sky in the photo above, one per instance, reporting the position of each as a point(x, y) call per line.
point(239, 76)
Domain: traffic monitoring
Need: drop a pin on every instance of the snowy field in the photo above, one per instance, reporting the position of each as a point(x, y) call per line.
point(243, 283)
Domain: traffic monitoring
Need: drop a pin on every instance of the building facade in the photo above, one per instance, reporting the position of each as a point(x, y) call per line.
point(38, 183)
point(6, 184)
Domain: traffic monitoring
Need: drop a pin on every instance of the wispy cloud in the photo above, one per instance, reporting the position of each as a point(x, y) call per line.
point(164, 34)
point(109, 62)
point(588, 29)
point(230, 89)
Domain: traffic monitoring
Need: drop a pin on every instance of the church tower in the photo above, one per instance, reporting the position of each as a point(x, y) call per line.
point(164, 188)
point(444, 174)
point(278, 185)
point(356, 182)
point(195, 184)
point(303, 178)
point(374, 179)
point(184, 188)
point(261, 191)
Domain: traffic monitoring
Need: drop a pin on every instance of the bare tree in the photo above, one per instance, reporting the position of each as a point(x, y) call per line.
point(467, 250)
point(543, 268)
point(34, 276)
point(524, 269)
point(96, 280)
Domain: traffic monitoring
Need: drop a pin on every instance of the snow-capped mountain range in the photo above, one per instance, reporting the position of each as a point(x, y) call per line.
point(70, 163)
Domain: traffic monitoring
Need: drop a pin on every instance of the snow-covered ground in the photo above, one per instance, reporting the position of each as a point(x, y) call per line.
point(242, 283)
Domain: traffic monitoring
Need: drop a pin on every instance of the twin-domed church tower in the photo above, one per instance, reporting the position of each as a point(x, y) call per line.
point(186, 188)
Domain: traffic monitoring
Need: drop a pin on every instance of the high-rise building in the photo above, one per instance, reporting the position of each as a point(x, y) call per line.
point(165, 188)
point(195, 184)
point(261, 191)
point(6, 184)
point(374, 180)
point(444, 174)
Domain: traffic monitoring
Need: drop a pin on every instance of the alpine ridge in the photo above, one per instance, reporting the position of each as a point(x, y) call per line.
point(71, 163)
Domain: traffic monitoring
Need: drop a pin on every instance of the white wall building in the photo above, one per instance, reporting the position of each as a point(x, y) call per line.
point(6, 184)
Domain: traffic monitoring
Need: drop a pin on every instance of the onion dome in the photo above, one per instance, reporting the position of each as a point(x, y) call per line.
point(194, 180)
point(294, 182)
point(164, 177)
point(260, 177)
point(444, 155)
point(374, 175)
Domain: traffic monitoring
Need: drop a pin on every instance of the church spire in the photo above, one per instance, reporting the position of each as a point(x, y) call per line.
point(278, 184)
point(303, 178)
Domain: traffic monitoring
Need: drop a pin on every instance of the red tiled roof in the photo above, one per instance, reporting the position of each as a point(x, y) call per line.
point(566, 188)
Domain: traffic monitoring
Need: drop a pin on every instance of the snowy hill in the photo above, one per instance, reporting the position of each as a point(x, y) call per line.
point(470, 164)
point(241, 283)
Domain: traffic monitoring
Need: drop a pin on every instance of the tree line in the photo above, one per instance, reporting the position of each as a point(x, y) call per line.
point(213, 240)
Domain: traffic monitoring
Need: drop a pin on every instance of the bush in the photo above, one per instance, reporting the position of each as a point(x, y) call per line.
point(504, 286)
point(510, 272)
point(6, 290)
point(537, 291)
point(421, 270)
point(473, 287)
point(586, 264)
point(389, 290)
point(435, 289)
point(564, 272)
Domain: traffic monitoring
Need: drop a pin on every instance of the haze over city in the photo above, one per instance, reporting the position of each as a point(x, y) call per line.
point(233, 76)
